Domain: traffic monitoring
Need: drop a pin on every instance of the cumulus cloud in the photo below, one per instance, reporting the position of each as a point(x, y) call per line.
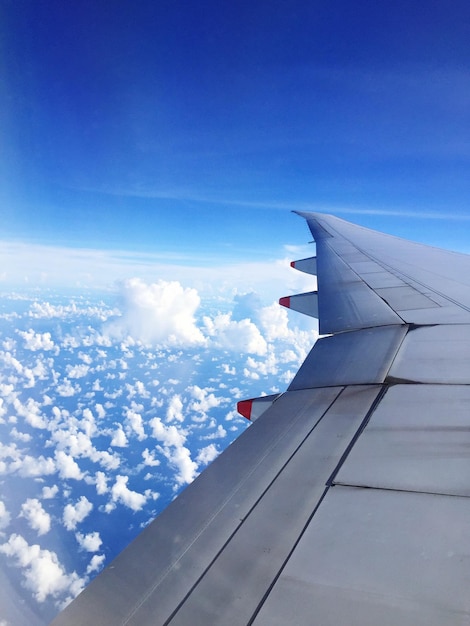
point(67, 466)
point(43, 573)
point(36, 341)
point(37, 518)
point(243, 335)
point(50, 492)
point(274, 320)
point(100, 411)
point(149, 458)
point(137, 389)
point(91, 542)
point(101, 482)
point(174, 411)
point(267, 365)
point(96, 563)
point(66, 389)
point(31, 411)
point(28, 466)
point(120, 492)
point(119, 439)
point(19, 436)
point(208, 454)
point(4, 516)
point(159, 313)
point(75, 514)
point(11, 362)
point(77, 371)
point(203, 399)
point(135, 425)
point(40, 310)
point(79, 444)
point(178, 455)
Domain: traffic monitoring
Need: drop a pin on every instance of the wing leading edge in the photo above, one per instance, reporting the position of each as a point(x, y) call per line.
point(347, 501)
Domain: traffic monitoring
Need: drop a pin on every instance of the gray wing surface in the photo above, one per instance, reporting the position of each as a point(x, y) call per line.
point(347, 500)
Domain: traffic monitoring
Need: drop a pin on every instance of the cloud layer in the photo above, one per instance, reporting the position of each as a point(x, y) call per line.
point(108, 410)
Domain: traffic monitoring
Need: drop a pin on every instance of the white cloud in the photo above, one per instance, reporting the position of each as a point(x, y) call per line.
point(174, 450)
point(149, 458)
point(121, 493)
point(175, 409)
point(36, 341)
point(204, 400)
point(74, 514)
point(67, 466)
point(135, 424)
point(168, 435)
point(77, 371)
point(16, 434)
point(119, 439)
point(101, 482)
point(242, 336)
point(96, 563)
point(100, 410)
point(50, 492)
point(265, 366)
point(159, 313)
point(220, 433)
point(91, 542)
point(137, 389)
point(208, 454)
point(4, 516)
point(106, 459)
point(28, 466)
point(274, 321)
point(37, 518)
point(39, 310)
point(43, 573)
point(66, 389)
point(31, 411)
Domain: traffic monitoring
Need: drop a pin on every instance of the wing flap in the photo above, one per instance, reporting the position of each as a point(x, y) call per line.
point(334, 360)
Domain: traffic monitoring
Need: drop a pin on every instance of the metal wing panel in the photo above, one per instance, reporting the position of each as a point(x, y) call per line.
point(334, 360)
point(372, 557)
point(406, 448)
point(435, 278)
point(345, 301)
point(434, 354)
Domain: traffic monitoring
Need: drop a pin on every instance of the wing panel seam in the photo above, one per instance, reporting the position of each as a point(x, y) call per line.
point(137, 606)
point(328, 486)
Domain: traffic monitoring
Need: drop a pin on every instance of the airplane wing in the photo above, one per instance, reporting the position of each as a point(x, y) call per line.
point(347, 500)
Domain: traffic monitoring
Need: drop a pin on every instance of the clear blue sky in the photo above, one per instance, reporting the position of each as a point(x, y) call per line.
point(177, 125)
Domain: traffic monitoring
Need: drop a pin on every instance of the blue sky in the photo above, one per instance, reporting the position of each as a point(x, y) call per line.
point(189, 130)
point(152, 151)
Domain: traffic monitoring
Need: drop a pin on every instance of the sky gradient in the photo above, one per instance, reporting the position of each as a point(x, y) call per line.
point(150, 155)
point(189, 130)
